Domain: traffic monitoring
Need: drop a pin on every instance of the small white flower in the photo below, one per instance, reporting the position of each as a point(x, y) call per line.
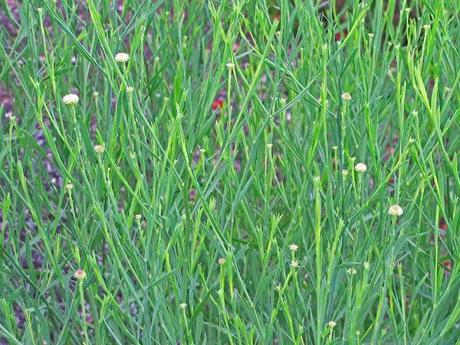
point(351, 271)
point(332, 324)
point(80, 274)
point(293, 247)
point(230, 65)
point(366, 265)
point(129, 89)
point(99, 148)
point(70, 99)
point(360, 167)
point(294, 264)
point(138, 217)
point(395, 210)
point(69, 187)
point(346, 96)
point(344, 172)
point(183, 305)
point(221, 261)
point(121, 57)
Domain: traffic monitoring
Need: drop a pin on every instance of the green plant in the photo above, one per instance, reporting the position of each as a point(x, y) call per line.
point(235, 178)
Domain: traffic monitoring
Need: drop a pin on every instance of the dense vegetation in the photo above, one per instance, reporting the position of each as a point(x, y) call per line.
point(229, 172)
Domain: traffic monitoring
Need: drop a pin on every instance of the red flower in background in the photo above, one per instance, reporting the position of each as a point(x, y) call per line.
point(341, 35)
point(218, 103)
point(442, 224)
point(447, 264)
point(442, 228)
point(447, 267)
